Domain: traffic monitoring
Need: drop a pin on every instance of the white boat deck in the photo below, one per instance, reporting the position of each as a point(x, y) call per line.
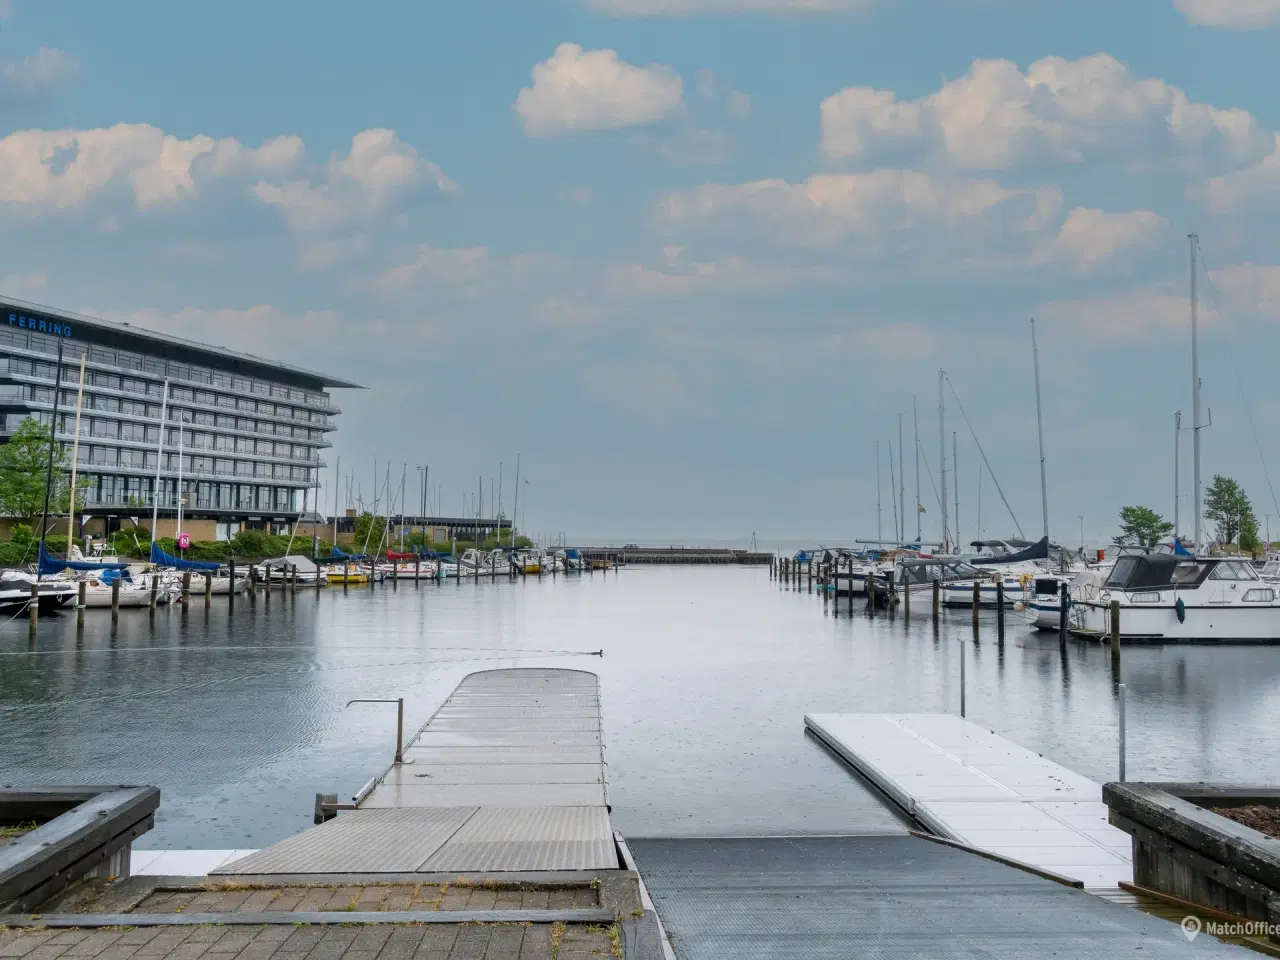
point(965, 783)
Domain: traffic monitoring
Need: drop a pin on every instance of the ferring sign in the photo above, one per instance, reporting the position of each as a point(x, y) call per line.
point(59, 328)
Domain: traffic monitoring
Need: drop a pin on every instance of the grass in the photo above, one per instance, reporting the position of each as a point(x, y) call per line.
point(557, 937)
point(13, 831)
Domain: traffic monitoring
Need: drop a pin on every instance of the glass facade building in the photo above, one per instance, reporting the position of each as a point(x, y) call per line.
point(253, 431)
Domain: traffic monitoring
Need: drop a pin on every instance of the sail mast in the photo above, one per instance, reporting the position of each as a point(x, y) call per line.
point(879, 530)
point(1044, 488)
point(915, 422)
point(1195, 390)
point(902, 488)
point(942, 461)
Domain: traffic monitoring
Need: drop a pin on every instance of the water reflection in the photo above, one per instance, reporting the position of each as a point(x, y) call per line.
point(706, 675)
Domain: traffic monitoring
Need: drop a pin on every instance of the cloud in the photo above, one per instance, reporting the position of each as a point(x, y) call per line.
point(1233, 191)
point(577, 90)
point(378, 169)
point(691, 8)
point(1250, 289)
point(327, 253)
point(1147, 314)
point(729, 276)
point(56, 170)
point(25, 286)
point(996, 117)
point(1089, 237)
point(1232, 14)
point(38, 75)
point(868, 210)
point(467, 272)
point(739, 103)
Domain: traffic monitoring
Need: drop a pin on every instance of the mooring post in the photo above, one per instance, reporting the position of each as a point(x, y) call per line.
point(155, 580)
point(977, 602)
point(115, 601)
point(294, 581)
point(1064, 605)
point(1121, 733)
point(906, 600)
point(1000, 608)
point(937, 601)
point(186, 586)
point(1115, 635)
point(400, 730)
point(346, 575)
point(962, 659)
point(33, 608)
point(80, 606)
point(809, 573)
point(395, 575)
point(266, 587)
point(208, 590)
point(253, 582)
point(316, 562)
point(417, 571)
point(231, 592)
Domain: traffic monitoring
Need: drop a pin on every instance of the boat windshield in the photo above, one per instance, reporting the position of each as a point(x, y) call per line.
point(1234, 570)
point(1154, 571)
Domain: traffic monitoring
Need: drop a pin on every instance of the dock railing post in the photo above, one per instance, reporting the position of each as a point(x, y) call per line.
point(937, 601)
point(1064, 605)
point(80, 606)
point(400, 730)
point(1121, 733)
point(962, 659)
point(977, 602)
point(1115, 635)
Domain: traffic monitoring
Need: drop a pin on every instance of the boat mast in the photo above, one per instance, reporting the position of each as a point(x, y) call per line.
point(155, 492)
point(337, 483)
point(955, 477)
point(879, 530)
point(1195, 389)
point(942, 461)
point(1177, 443)
point(179, 530)
point(515, 510)
point(75, 457)
point(48, 477)
point(915, 422)
point(1044, 488)
point(902, 488)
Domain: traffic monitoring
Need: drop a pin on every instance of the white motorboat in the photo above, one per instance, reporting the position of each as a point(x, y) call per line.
point(15, 592)
point(99, 590)
point(486, 563)
point(285, 569)
point(1167, 597)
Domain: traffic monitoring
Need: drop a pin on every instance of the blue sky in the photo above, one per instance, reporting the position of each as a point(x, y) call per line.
point(690, 258)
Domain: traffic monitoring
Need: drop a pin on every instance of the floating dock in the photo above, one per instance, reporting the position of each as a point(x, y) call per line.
point(508, 775)
point(966, 784)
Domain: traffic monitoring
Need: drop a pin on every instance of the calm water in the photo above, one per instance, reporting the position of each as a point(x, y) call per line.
point(706, 675)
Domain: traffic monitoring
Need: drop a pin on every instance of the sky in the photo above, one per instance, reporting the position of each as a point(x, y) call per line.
point(690, 260)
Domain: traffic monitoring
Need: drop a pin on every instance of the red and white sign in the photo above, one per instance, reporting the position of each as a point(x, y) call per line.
point(184, 541)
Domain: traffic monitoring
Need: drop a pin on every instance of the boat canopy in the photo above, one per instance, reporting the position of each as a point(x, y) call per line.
point(300, 563)
point(162, 559)
point(925, 570)
point(48, 565)
point(1036, 551)
point(340, 555)
point(392, 555)
point(1154, 571)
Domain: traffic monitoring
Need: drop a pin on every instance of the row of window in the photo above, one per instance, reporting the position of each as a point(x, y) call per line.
point(106, 429)
point(102, 456)
point(157, 367)
point(107, 490)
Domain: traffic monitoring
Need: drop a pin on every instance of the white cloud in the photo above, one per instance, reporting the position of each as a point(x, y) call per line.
point(1233, 191)
point(1089, 237)
point(1147, 314)
point(690, 8)
point(996, 117)
point(470, 271)
point(729, 276)
point(867, 209)
point(25, 286)
point(739, 103)
point(42, 170)
point(378, 169)
point(39, 74)
point(1250, 289)
point(1232, 14)
point(327, 253)
point(577, 90)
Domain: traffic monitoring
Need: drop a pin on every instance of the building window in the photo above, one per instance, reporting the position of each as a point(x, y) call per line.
point(262, 469)
point(105, 428)
point(244, 468)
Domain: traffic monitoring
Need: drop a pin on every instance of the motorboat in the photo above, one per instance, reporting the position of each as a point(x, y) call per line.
point(291, 569)
point(1164, 596)
point(100, 589)
point(486, 563)
point(15, 592)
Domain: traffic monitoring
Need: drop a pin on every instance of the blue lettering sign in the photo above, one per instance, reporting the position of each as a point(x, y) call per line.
point(41, 323)
point(57, 328)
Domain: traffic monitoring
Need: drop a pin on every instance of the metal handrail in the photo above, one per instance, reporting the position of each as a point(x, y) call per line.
point(399, 723)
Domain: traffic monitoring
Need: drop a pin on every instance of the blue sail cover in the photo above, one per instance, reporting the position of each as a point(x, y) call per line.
point(340, 555)
point(162, 559)
point(49, 566)
point(1179, 550)
point(1037, 551)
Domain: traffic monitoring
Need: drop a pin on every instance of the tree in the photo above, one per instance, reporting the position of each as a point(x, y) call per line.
point(1226, 503)
point(24, 463)
point(1142, 526)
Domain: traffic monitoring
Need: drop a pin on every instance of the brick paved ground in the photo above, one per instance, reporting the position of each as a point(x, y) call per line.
point(254, 898)
point(390, 942)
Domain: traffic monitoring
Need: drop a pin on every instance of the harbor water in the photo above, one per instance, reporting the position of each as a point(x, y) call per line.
point(706, 672)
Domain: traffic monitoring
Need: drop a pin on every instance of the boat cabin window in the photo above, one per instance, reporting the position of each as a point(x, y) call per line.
point(1188, 574)
point(1233, 570)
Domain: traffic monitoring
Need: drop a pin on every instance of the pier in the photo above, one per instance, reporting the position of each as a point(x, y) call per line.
point(622, 556)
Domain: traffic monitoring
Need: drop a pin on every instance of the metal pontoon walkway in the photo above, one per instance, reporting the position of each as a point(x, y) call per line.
point(508, 775)
point(965, 783)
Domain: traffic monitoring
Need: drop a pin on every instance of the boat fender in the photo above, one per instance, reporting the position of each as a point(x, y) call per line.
point(1181, 609)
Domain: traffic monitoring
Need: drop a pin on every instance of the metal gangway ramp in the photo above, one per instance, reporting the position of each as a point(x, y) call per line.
point(507, 776)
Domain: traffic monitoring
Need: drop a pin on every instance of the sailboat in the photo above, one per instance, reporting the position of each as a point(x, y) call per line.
point(1177, 595)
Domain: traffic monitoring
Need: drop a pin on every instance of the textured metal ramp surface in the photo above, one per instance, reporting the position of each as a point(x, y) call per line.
point(362, 841)
point(968, 784)
point(530, 838)
point(889, 898)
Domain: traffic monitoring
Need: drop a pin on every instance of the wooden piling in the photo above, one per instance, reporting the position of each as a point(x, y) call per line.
point(80, 606)
point(906, 601)
point(317, 564)
point(417, 572)
point(977, 602)
point(115, 601)
point(186, 587)
point(346, 575)
point(395, 576)
point(231, 594)
point(1064, 605)
point(937, 601)
point(809, 573)
point(1115, 634)
point(266, 588)
point(208, 590)
point(1000, 608)
point(294, 582)
point(33, 608)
